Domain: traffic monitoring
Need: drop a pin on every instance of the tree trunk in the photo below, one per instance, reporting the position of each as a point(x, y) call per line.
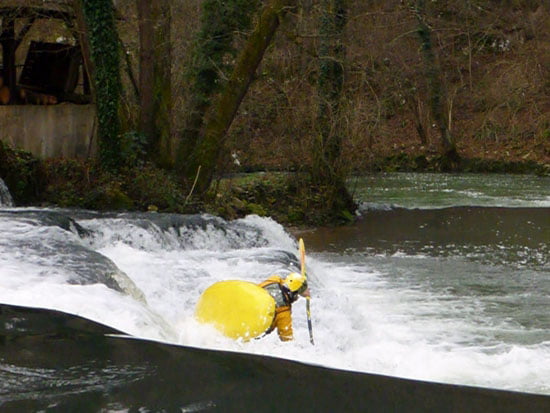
point(221, 20)
point(329, 88)
point(100, 30)
point(327, 172)
point(155, 78)
point(202, 163)
point(435, 88)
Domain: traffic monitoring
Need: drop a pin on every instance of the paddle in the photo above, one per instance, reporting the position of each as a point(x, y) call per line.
point(303, 265)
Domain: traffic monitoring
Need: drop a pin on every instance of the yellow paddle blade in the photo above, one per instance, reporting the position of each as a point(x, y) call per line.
point(238, 309)
point(302, 250)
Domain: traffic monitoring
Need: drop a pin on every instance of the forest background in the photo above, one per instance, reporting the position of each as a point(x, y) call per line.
point(348, 87)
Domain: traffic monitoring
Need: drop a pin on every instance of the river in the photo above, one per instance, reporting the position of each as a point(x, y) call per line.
point(443, 278)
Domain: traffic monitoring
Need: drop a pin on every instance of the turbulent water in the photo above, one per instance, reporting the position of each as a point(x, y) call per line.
point(5, 196)
point(443, 278)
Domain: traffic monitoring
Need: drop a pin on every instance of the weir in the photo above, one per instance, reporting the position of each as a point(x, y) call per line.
point(82, 364)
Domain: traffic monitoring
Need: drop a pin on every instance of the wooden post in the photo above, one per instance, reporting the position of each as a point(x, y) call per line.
point(83, 41)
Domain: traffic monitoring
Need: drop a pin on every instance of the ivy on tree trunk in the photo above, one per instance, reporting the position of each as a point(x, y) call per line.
point(220, 21)
point(99, 20)
point(202, 162)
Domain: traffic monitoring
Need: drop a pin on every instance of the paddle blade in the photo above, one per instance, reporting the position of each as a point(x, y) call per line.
point(309, 326)
point(302, 250)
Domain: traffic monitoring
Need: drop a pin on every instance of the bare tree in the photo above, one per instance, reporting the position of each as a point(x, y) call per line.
point(436, 90)
point(327, 170)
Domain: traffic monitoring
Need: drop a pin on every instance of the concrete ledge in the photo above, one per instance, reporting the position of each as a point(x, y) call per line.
point(64, 130)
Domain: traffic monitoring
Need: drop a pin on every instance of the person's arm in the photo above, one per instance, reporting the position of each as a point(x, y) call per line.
point(274, 279)
point(283, 322)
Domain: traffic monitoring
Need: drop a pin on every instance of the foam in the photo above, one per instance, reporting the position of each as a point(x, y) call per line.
point(364, 318)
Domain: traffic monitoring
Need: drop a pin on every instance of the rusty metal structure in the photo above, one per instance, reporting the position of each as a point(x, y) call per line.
point(45, 101)
point(46, 72)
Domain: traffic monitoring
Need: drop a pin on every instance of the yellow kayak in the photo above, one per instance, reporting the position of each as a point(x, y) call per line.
point(238, 309)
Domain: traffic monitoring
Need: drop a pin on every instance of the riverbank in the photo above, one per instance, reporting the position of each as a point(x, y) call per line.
point(405, 154)
point(512, 155)
point(283, 193)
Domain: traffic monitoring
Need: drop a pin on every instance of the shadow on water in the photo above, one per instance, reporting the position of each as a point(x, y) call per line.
point(51, 361)
point(424, 230)
point(493, 259)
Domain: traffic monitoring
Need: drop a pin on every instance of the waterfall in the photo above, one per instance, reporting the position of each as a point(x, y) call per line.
point(5, 196)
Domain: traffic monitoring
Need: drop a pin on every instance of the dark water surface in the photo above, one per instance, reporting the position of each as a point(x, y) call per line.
point(56, 362)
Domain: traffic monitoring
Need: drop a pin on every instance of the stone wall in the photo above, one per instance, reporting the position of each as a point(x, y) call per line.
point(64, 130)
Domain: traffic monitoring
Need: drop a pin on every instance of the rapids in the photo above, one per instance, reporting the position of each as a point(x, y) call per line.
point(5, 196)
point(407, 291)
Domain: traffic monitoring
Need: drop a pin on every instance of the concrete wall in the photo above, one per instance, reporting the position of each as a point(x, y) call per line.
point(64, 130)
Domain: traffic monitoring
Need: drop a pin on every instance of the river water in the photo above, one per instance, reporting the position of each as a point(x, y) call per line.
point(443, 278)
point(447, 278)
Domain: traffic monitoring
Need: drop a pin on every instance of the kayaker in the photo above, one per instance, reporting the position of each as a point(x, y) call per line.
point(285, 292)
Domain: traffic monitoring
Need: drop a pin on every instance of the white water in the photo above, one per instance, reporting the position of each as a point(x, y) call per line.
point(360, 320)
point(5, 196)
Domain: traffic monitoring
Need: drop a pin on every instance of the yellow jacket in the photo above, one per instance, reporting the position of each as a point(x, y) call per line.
point(283, 317)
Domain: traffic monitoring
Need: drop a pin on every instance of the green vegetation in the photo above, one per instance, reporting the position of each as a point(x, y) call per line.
point(212, 61)
point(288, 197)
point(22, 173)
point(203, 158)
point(71, 183)
point(105, 55)
point(312, 91)
point(155, 79)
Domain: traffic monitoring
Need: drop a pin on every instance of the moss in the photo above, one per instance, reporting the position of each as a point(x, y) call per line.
point(72, 183)
point(257, 209)
point(23, 175)
point(109, 197)
point(288, 198)
point(206, 153)
point(150, 185)
point(347, 215)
